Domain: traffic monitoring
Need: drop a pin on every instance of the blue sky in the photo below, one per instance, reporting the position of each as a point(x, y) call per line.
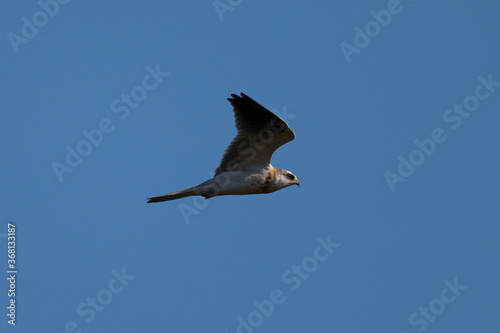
point(395, 107)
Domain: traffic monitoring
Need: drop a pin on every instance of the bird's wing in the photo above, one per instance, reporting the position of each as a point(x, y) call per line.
point(260, 133)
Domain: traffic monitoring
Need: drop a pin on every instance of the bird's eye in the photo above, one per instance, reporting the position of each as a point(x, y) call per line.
point(290, 176)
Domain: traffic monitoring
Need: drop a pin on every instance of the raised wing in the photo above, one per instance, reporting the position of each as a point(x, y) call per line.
point(260, 133)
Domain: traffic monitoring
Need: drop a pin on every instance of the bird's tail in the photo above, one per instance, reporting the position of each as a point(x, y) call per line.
point(193, 190)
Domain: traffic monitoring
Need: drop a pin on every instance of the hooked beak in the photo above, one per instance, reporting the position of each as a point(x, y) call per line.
point(297, 183)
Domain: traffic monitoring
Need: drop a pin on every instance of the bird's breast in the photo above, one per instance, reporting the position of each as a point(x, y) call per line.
point(242, 182)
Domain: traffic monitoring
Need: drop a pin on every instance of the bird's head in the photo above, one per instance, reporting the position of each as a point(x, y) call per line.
point(287, 178)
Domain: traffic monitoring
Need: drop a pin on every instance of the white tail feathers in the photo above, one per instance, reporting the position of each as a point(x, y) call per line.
point(193, 190)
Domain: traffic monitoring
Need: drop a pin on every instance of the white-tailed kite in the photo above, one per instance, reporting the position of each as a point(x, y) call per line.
point(246, 164)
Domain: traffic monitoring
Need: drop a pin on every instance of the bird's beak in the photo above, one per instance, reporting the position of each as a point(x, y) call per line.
point(298, 184)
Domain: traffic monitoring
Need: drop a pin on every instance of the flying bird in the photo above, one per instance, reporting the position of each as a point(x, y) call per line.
point(246, 167)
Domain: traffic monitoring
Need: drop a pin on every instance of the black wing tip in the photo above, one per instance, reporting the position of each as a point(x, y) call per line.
point(240, 96)
point(235, 97)
point(243, 99)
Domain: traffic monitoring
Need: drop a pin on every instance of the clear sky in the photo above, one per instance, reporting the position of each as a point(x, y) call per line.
point(396, 111)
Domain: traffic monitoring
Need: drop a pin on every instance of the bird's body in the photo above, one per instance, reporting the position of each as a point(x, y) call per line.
point(246, 165)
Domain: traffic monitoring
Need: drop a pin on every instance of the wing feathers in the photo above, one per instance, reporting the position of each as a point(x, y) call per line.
point(249, 115)
point(260, 133)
